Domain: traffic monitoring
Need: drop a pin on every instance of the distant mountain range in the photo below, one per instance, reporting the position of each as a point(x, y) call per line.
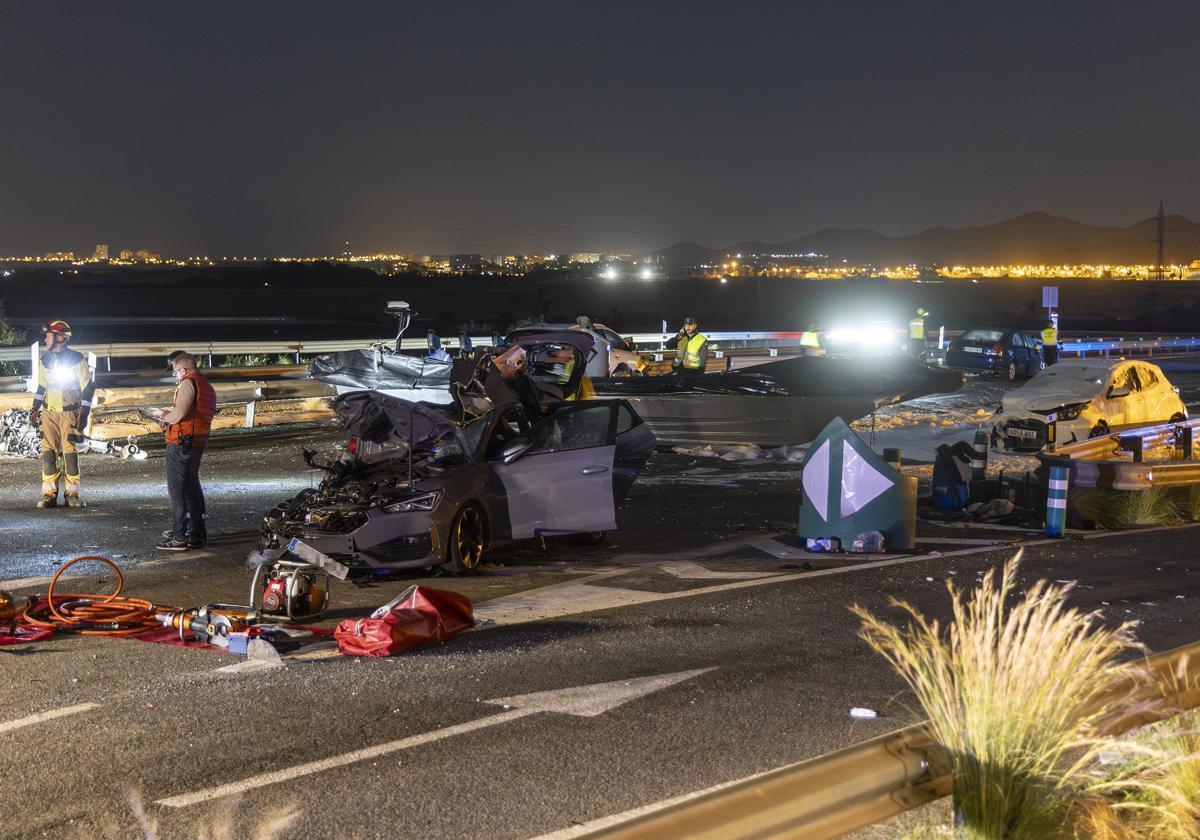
point(1030, 239)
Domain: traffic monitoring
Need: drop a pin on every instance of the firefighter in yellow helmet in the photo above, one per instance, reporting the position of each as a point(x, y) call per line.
point(60, 409)
point(916, 333)
point(691, 349)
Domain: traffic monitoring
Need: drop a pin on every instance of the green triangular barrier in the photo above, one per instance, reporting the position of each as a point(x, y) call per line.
point(847, 489)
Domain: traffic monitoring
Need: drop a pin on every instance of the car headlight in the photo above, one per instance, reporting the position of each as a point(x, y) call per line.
point(1070, 412)
point(425, 502)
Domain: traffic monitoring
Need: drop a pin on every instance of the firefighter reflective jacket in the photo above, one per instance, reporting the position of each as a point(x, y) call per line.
point(1050, 337)
point(64, 383)
point(197, 423)
point(693, 351)
point(916, 328)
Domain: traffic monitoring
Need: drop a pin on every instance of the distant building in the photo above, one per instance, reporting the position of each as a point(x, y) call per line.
point(126, 254)
point(101, 253)
point(585, 257)
point(466, 262)
point(60, 256)
point(147, 256)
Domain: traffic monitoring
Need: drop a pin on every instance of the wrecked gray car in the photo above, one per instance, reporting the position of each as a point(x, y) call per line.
point(429, 485)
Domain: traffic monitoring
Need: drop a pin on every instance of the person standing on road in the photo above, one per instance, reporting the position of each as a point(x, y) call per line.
point(1049, 343)
point(187, 424)
point(691, 349)
point(60, 409)
point(916, 333)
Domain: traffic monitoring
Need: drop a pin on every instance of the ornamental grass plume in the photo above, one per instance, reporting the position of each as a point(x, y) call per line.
point(1153, 789)
point(1016, 691)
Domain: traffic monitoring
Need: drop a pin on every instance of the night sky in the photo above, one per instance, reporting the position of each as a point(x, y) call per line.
point(265, 128)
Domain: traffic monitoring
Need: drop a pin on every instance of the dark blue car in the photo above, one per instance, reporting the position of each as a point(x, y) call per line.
point(1006, 353)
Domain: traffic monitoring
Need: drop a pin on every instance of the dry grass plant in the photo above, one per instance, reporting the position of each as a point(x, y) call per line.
point(1120, 509)
point(1016, 690)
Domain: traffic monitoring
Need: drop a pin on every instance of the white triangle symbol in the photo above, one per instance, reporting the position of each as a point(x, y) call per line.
point(816, 480)
point(861, 482)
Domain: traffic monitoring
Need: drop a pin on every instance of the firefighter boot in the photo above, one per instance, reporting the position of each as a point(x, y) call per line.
point(73, 500)
point(48, 501)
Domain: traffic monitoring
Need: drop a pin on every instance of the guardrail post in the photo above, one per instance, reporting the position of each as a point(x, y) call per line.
point(1133, 445)
point(250, 414)
point(1183, 440)
point(1056, 501)
point(894, 457)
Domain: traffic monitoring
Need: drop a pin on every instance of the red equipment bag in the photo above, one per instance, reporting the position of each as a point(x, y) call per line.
point(419, 616)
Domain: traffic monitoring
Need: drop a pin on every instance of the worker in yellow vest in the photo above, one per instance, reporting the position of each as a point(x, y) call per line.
point(810, 341)
point(1049, 343)
point(60, 411)
point(691, 349)
point(916, 333)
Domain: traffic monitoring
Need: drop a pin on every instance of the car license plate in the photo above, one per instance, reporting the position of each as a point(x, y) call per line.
point(1023, 433)
point(973, 349)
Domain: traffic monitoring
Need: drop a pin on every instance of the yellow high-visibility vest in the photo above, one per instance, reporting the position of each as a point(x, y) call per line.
point(690, 350)
point(64, 375)
point(916, 328)
point(1050, 337)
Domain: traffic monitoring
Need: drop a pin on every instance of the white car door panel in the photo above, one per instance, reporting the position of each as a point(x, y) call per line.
point(564, 484)
point(560, 492)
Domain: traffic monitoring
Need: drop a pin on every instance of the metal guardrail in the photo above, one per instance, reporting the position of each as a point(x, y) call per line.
point(1117, 461)
point(1146, 346)
point(852, 788)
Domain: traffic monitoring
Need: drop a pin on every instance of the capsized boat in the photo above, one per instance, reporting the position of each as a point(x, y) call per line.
point(774, 404)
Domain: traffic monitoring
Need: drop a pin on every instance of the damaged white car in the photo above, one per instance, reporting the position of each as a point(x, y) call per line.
point(1084, 398)
point(425, 486)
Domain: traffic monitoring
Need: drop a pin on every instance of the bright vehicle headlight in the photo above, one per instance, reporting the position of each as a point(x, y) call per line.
point(424, 502)
point(1070, 412)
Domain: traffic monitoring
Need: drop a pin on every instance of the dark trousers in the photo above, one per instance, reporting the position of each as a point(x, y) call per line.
point(187, 498)
point(1050, 353)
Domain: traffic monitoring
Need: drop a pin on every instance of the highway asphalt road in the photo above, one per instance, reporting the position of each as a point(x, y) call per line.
point(698, 646)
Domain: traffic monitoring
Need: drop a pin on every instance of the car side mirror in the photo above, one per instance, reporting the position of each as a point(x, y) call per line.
point(1115, 393)
point(632, 344)
point(514, 449)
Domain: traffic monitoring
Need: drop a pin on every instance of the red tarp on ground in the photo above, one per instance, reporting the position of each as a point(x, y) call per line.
point(418, 617)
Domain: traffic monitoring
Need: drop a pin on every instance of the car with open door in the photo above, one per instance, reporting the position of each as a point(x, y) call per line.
point(1085, 398)
point(515, 457)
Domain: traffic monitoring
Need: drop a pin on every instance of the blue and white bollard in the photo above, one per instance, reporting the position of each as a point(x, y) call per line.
point(1056, 501)
point(979, 459)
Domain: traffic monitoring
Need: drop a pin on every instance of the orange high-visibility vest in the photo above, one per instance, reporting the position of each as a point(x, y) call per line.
point(198, 421)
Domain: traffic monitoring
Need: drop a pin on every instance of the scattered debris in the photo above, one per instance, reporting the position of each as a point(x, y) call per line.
point(17, 434)
point(859, 712)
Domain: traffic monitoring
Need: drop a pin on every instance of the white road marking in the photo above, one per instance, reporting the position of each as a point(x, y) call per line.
point(587, 701)
point(578, 597)
point(960, 541)
point(583, 829)
point(687, 570)
point(42, 717)
point(778, 549)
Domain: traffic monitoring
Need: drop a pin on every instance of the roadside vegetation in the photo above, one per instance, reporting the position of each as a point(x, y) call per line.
point(9, 337)
point(1119, 509)
point(1021, 692)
